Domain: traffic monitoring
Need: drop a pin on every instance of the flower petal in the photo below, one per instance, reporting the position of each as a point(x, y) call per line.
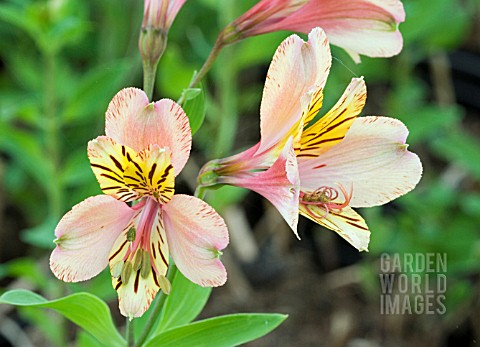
point(136, 295)
point(372, 158)
point(296, 67)
point(347, 223)
point(173, 7)
point(131, 120)
point(151, 173)
point(329, 130)
point(196, 234)
point(109, 161)
point(279, 184)
point(367, 27)
point(85, 236)
point(138, 264)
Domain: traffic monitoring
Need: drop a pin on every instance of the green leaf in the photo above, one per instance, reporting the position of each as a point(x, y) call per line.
point(16, 16)
point(183, 305)
point(175, 72)
point(41, 235)
point(24, 149)
point(460, 148)
point(427, 122)
point(223, 331)
point(194, 107)
point(191, 93)
point(94, 90)
point(225, 196)
point(83, 309)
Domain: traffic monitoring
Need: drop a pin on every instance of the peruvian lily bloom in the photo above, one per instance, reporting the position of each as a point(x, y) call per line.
point(145, 147)
point(159, 14)
point(320, 169)
point(158, 17)
point(368, 27)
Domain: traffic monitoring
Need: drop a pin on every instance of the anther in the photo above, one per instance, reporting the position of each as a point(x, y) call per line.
point(126, 272)
point(131, 233)
point(165, 284)
point(137, 261)
point(146, 265)
point(117, 269)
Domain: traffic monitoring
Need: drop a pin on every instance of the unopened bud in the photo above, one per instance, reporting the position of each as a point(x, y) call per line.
point(152, 44)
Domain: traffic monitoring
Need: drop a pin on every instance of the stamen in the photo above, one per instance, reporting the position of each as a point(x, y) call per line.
point(146, 265)
point(137, 261)
point(126, 272)
point(117, 269)
point(325, 197)
point(165, 284)
point(131, 234)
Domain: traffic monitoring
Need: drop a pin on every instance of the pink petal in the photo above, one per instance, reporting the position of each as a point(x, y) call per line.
point(367, 27)
point(372, 158)
point(131, 120)
point(347, 223)
point(196, 234)
point(297, 67)
point(279, 184)
point(173, 7)
point(85, 236)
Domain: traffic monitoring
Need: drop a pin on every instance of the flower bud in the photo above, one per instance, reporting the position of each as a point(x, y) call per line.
point(157, 18)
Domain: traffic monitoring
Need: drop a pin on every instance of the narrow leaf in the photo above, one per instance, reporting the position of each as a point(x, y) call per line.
point(184, 304)
point(223, 331)
point(194, 107)
point(84, 309)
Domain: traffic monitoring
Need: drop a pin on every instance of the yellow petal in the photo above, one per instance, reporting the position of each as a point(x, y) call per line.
point(331, 128)
point(151, 173)
point(109, 160)
point(347, 223)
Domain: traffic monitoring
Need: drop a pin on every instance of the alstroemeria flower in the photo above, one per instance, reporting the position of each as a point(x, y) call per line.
point(329, 165)
point(368, 27)
point(145, 147)
point(158, 17)
point(159, 14)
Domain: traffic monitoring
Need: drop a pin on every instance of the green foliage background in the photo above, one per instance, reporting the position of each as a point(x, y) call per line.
point(62, 61)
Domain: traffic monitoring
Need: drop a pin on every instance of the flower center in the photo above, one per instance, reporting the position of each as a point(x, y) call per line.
point(127, 175)
point(137, 255)
point(136, 259)
point(326, 198)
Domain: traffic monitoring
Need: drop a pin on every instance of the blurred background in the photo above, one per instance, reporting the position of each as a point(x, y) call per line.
point(61, 62)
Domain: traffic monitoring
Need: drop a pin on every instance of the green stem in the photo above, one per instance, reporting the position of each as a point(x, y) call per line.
point(130, 333)
point(200, 192)
point(157, 309)
point(149, 73)
point(227, 89)
point(227, 117)
point(207, 65)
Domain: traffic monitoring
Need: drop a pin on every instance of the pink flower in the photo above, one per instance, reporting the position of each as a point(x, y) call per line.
point(159, 14)
point(368, 27)
point(320, 169)
point(145, 147)
point(157, 19)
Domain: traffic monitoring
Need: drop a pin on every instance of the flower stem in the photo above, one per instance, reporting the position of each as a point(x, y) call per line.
point(149, 73)
point(130, 333)
point(157, 309)
point(207, 65)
